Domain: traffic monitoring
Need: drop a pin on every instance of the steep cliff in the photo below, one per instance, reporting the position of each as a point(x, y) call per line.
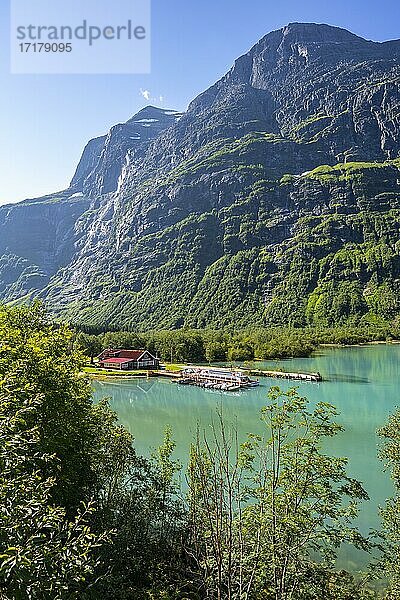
point(273, 199)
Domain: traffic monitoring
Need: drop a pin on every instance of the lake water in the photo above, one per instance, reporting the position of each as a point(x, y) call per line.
point(362, 382)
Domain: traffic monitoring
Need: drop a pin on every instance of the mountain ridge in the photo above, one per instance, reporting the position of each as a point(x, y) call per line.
point(301, 137)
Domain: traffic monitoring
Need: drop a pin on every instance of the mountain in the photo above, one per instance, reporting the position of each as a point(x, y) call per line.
point(38, 237)
point(105, 158)
point(273, 199)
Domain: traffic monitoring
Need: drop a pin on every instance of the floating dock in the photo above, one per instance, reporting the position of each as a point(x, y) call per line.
point(210, 385)
point(165, 373)
point(216, 379)
point(223, 378)
point(316, 377)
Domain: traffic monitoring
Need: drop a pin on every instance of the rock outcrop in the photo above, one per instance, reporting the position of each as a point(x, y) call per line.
point(273, 199)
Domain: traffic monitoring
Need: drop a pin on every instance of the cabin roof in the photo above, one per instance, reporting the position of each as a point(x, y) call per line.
point(117, 361)
point(126, 354)
point(132, 354)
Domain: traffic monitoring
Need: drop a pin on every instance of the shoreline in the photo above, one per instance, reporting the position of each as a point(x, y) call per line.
point(116, 375)
point(170, 374)
point(360, 345)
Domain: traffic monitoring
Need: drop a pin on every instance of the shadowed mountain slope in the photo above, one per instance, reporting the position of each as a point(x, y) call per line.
point(273, 199)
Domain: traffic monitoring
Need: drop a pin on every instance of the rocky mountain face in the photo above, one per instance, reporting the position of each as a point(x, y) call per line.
point(40, 236)
point(106, 158)
point(273, 199)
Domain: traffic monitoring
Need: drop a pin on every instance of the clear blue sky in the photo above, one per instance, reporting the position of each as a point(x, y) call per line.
point(45, 121)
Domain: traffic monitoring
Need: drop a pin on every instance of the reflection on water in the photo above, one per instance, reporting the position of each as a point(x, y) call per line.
point(348, 378)
point(361, 382)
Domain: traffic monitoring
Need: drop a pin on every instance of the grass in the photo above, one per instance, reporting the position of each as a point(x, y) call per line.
point(112, 372)
point(173, 367)
point(312, 119)
point(345, 171)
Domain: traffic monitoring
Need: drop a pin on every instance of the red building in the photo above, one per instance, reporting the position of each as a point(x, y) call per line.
point(128, 360)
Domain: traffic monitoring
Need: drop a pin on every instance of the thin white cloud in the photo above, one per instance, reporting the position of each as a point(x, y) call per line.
point(146, 94)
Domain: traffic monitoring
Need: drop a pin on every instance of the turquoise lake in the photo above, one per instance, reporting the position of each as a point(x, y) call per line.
point(362, 382)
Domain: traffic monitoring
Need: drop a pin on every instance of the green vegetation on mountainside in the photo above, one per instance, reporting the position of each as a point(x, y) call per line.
point(320, 249)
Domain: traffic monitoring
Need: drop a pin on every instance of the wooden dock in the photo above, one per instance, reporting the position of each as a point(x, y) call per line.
point(210, 385)
point(216, 379)
point(213, 378)
point(315, 377)
point(169, 374)
point(310, 377)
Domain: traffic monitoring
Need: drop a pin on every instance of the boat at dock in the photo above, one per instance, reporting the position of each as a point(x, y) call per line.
point(217, 379)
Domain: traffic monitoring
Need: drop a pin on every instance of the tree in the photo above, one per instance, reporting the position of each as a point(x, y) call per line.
point(216, 499)
point(390, 455)
point(122, 339)
point(268, 518)
point(215, 345)
point(215, 351)
point(43, 555)
point(38, 357)
point(240, 350)
point(138, 499)
point(90, 344)
point(303, 500)
point(68, 454)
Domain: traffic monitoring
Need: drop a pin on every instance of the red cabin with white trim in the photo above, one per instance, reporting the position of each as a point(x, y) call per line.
point(128, 360)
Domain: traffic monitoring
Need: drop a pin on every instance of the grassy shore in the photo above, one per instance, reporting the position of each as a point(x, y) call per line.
point(97, 373)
